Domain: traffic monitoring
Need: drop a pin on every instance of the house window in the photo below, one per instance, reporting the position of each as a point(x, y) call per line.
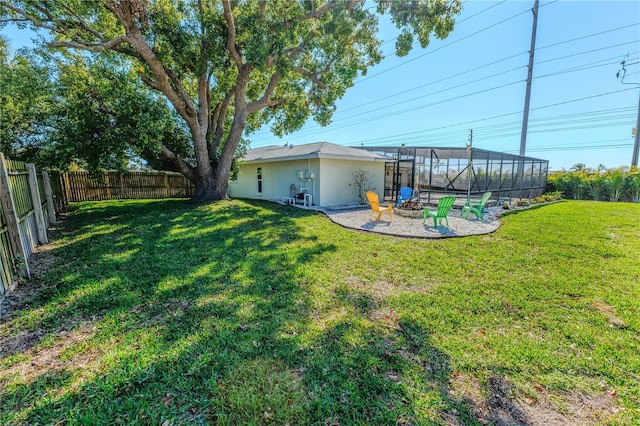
point(259, 180)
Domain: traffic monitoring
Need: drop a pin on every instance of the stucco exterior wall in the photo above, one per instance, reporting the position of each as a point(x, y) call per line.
point(332, 184)
point(337, 183)
point(277, 177)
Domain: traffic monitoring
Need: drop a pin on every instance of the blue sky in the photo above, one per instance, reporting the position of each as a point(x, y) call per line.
point(435, 95)
point(475, 79)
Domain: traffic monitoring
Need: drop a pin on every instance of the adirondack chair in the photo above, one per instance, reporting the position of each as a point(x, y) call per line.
point(376, 207)
point(475, 208)
point(444, 205)
point(405, 194)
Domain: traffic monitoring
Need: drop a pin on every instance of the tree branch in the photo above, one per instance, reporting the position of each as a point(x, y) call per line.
point(84, 45)
point(231, 28)
point(31, 18)
point(315, 14)
point(311, 76)
point(265, 100)
point(183, 93)
point(149, 82)
point(139, 44)
point(182, 165)
point(203, 102)
point(217, 122)
point(80, 23)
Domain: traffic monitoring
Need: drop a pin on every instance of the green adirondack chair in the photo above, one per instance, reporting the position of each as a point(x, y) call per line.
point(475, 208)
point(444, 205)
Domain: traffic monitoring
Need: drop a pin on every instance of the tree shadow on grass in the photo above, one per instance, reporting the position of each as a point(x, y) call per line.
point(393, 372)
point(175, 297)
point(166, 312)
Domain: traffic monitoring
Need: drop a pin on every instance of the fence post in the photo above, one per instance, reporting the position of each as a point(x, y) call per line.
point(67, 189)
point(48, 192)
point(107, 184)
point(41, 227)
point(10, 211)
point(122, 192)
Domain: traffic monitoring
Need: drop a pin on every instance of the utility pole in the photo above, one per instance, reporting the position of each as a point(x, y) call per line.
point(470, 166)
point(636, 144)
point(527, 99)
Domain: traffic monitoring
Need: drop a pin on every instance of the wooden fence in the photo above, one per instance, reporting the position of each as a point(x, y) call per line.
point(110, 185)
point(27, 207)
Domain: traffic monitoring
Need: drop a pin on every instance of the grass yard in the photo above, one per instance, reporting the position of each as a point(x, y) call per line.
point(238, 312)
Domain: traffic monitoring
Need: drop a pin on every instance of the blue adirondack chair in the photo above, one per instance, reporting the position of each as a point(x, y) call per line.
point(444, 205)
point(405, 194)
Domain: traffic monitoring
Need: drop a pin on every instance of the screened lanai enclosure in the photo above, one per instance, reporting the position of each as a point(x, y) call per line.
point(434, 172)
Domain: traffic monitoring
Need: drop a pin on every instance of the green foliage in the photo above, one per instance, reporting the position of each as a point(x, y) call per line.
point(617, 184)
point(158, 312)
point(90, 113)
point(105, 118)
point(633, 184)
point(547, 197)
point(229, 68)
point(26, 101)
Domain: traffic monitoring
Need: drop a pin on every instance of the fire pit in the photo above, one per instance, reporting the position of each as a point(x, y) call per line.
point(410, 208)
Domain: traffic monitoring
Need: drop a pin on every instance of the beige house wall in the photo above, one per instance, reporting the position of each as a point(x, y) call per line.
point(337, 182)
point(277, 177)
point(332, 183)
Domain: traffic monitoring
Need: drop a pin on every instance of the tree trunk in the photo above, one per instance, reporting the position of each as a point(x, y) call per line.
point(212, 187)
point(212, 184)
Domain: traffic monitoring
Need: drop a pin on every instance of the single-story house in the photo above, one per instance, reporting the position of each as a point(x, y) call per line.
point(323, 170)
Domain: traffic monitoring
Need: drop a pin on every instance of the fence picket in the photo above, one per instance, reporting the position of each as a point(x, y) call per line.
point(11, 216)
point(80, 186)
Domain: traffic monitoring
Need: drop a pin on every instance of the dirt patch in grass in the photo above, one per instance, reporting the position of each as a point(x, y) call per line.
point(382, 290)
point(42, 260)
point(498, 405)
point(609, 313)
point(49, 358)
point(13, 341)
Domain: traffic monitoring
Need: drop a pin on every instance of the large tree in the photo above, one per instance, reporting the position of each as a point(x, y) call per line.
point(76, 110)
point(228, 67)
point(104, 117)
point(25, 102)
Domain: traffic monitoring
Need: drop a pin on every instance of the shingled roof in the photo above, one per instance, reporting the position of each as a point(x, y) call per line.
point(311, 150)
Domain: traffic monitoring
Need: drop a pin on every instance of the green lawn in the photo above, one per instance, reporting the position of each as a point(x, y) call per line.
point(164, 312)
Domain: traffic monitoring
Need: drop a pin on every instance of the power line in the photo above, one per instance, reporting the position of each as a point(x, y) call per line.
point(581, 147)
point(413, 89)
point(588, 36)
point(440, 48)
point(422, 106)
point(587, 52)
point(469, 122)
point(458, 22)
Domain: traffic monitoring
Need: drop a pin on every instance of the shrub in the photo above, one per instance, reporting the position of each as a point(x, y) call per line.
point(616, 184)
point(548, 197)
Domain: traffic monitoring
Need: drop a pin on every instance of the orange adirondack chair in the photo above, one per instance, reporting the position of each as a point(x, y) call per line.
point(376, 207)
